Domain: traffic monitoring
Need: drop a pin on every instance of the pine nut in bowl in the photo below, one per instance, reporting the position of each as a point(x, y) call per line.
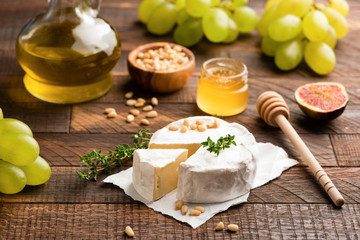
point(161, 66)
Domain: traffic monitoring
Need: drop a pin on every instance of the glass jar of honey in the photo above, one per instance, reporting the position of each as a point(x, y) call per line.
point(223, 87)
point(68, 52)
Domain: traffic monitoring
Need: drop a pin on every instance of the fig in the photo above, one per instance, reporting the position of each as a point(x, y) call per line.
point(322, 100)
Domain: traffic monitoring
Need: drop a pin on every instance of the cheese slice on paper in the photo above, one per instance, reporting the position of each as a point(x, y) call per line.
point(156, 171)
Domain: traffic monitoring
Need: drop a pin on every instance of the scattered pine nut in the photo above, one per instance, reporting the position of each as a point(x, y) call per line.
point(200, 208)
point(135, 112)
point(195, 212)
point(220, 226)
point(139, 104)
point(217, 123)
point(131, 102)
point(183, 129)
point(112, 114)
point(129, 95)
point(233, 227)
point(129, 231)
point(109, 110)
point(201, 128)
point(144, 122)
point(154, 101)
point(179, 204)
point(186, 123)
point(173, 128)
point(151, 114)
point(193, 126)
point(130, 118)
point(184, 209)
point(141, 100)
point(147, 108)
point(200, 122)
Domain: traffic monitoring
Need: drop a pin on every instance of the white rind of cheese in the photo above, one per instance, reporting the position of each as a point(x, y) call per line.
point(205, 177)
point(155, 171)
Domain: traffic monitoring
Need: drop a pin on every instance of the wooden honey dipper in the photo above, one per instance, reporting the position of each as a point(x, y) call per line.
point(272, 108)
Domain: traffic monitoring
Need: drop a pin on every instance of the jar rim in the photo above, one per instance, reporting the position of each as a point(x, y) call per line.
point(233, 61)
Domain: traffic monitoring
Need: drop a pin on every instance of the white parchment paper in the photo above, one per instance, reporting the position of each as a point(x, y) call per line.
point(271, 162)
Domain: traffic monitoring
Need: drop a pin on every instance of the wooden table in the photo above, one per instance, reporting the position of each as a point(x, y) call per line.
point(292, 206)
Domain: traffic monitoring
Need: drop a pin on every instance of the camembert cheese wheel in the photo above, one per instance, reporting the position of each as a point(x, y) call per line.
point(205, 177)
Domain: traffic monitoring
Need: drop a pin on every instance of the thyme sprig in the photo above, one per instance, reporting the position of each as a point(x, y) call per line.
point(97, 162)
point(221, 144)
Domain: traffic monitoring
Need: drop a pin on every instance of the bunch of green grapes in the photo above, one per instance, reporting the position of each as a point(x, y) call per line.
point(293, 30)
point(218, 20)
point(20, 163)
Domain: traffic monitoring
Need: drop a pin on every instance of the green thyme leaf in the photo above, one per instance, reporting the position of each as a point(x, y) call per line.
point(97, 162)
point(221, 144)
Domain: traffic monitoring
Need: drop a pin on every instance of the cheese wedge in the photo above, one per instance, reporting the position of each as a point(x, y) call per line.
point(155, 171)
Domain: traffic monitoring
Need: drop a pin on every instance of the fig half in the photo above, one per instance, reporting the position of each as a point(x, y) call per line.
point(322, 100)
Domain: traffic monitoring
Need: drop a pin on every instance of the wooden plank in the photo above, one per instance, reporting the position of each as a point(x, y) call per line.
point(100, 221)
point(296, 185)
point(347, 149)
point(8, 63)
point(40, 116)
point(89, 118)
point(64, 149)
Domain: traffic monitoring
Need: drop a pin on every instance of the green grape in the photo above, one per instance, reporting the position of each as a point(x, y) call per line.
point(285, 28)
point(289, 55)
point(12, 178)
point(162, 19)
point(215, 3)
point(37, 172)
point(238, 3)
point(1, 114)
point(197, 8)
point(269, 46)
point(182, 16)
point(146, 8)
point(266, 19)
point(337, 21)
point(315, 26)
point(215, 25)
point(180, 4)
point(340, 5)
point(295, 7)
point(189, 32)
point(233, 32)
point(271, 3)
point(319, 57)
point(331, 37)
point(9, 125)
point(18, 148)
point(245, 18)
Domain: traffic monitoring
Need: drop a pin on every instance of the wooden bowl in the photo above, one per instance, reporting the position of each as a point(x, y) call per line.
point(160, 81)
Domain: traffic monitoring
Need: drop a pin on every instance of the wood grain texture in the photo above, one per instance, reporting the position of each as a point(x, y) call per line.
point(296, 185)
point(64, 149)
point(347, 149)
point(294, 206)
point(89, 117)
point(102, 221)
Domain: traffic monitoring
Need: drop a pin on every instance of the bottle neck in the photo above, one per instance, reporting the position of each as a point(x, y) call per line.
point(89, 6)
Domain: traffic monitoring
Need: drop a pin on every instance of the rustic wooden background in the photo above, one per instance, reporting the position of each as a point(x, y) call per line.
point(292, 206)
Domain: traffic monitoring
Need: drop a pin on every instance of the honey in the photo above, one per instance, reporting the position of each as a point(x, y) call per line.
point(223, 87)
point(68, 60)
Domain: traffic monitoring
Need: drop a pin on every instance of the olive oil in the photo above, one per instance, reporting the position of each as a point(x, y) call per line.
point(68, 61)
point(222, 88)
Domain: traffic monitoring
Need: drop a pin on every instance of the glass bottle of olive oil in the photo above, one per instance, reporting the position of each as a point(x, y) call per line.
point(68, 52)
